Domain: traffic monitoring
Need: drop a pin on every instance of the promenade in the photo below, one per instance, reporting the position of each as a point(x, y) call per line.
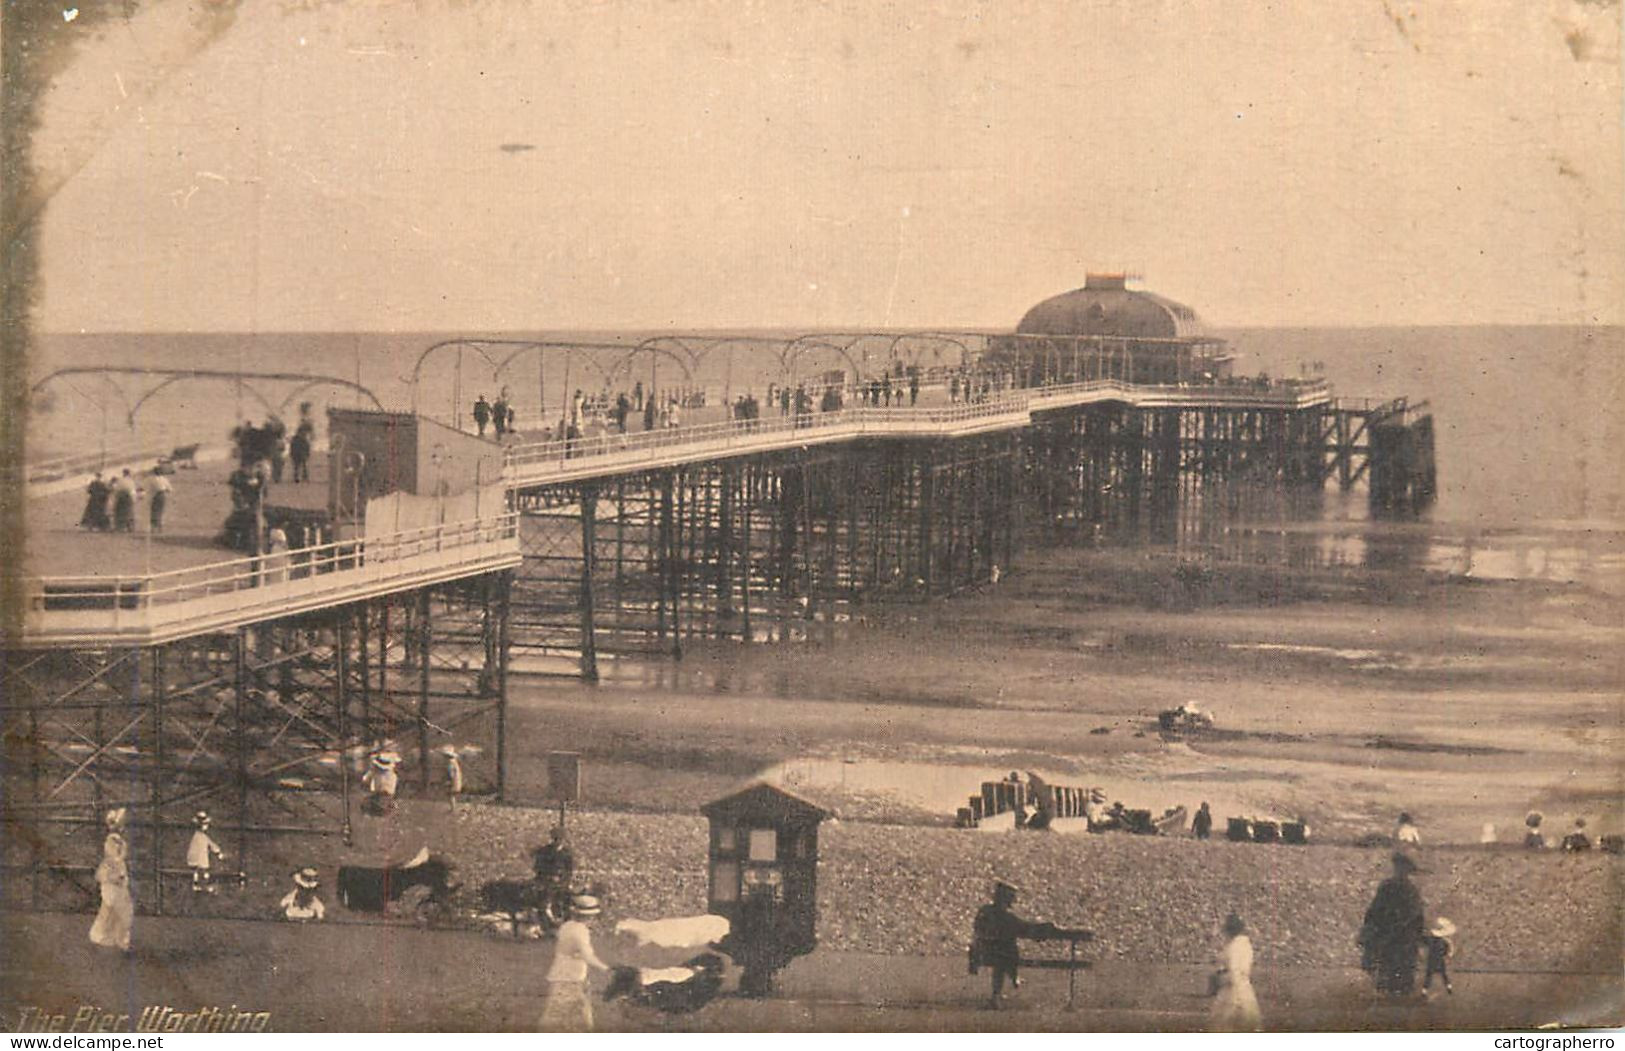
point(382, 977)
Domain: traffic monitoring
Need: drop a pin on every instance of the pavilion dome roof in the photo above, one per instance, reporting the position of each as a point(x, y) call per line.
point(1106, 306)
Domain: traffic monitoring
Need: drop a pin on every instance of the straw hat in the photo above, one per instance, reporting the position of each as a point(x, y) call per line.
point(308, 878)
point(201, 819)
point(386, 759)
point(448, 750)
point(1442, 928)
point(114, 818)
point(586, 906)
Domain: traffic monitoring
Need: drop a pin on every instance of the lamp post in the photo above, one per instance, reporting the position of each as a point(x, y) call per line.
point(437, 456)
point(457, 393)
point(354, 464)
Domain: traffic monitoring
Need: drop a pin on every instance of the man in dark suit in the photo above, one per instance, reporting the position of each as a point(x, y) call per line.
point(994, 940)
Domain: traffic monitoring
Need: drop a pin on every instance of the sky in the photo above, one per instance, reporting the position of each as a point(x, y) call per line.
point(459, 165)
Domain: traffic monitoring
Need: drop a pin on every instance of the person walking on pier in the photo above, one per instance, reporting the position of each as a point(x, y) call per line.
point(637, 395)
point(482, 413)
point(160, 500)
point(499, 417)
point(277, 438)
point(277, 560)
point(299, 451)
point(124, 494)
point(96, 494)
point(913, 388)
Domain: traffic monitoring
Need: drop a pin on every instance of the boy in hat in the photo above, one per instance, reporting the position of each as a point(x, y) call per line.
point(201, 852)
point(381, 780)
point(1440, 948)
point(301, 903)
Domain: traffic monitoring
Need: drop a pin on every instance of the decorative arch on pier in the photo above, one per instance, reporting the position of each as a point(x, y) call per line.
point(171, 377)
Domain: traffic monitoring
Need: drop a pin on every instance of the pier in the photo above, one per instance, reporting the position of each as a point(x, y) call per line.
point(164, 678)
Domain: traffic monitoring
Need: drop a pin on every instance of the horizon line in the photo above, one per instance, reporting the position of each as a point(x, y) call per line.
point(564, 331)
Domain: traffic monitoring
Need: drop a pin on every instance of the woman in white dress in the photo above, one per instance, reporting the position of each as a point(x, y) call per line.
point(1235, 1005)
point(565, 1007)
point(112, 926)
point(276, 556)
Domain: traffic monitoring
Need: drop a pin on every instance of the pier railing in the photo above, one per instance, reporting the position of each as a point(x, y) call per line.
point(56, 468)
point(156, 606)
point(570, 457)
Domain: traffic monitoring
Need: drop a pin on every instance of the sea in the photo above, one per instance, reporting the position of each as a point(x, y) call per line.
point(1529, 429)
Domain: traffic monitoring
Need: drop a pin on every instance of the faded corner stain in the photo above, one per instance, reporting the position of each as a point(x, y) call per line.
point(1399, 24)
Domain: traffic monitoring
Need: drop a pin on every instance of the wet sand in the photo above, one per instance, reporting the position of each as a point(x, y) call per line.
point(1354, 698)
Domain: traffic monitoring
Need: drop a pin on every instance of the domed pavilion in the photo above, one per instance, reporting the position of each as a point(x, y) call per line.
point(1106, 330)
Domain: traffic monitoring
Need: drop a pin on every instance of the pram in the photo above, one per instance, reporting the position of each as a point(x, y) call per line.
point(677, 989)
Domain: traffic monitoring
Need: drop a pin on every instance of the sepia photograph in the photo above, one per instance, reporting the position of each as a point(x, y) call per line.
point(912, 516)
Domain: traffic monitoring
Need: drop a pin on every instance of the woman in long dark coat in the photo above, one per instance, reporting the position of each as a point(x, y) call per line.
point(95, 516)
point(1391, 937)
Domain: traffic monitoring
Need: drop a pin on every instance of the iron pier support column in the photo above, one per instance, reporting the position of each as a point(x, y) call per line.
point(363, 615)
point(424, 634)
point(158, 779)
point(240, 689)
point(724, 547)
point(928, 486)
point(343, 645)
point(504, 645)
point(589, 550)
point(751, 488)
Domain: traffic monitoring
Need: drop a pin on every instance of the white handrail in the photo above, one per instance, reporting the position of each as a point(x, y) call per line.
point(293, 564)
